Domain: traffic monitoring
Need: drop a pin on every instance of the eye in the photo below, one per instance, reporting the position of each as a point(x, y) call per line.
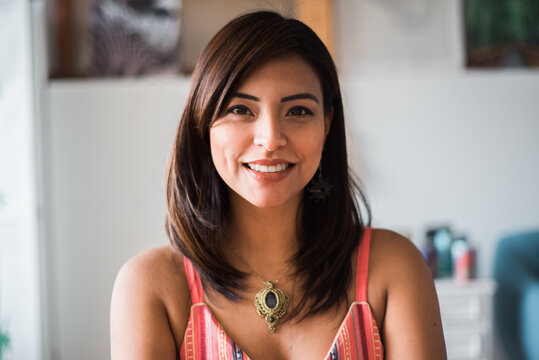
point(299, 111)
point(239, 110)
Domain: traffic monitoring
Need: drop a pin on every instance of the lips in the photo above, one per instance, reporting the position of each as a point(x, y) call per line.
point(268, 171)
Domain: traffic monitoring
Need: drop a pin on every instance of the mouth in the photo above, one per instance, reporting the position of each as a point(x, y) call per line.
point(268, 168)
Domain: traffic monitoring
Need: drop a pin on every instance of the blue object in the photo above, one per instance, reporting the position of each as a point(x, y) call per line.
point(516, 301)
point(442, 243)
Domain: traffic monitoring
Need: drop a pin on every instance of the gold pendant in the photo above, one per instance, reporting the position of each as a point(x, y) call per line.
point(271, 304)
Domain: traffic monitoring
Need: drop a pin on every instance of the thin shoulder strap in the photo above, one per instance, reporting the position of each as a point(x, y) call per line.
point(195, 285)
point(362, 271)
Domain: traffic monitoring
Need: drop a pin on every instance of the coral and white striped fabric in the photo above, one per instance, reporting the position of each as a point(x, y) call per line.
point(358, 337)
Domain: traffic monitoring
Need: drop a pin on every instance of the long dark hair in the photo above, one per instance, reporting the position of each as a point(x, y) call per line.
point(197, 197)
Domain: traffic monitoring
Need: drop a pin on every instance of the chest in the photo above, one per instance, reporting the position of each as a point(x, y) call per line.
point(311, 338)
point(231, 326)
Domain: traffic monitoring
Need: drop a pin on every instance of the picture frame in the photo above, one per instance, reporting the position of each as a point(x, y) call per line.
point(501, 33)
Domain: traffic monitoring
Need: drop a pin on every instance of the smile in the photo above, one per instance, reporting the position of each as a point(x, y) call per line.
point(268, 168)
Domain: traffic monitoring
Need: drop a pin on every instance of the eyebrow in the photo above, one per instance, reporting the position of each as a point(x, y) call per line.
point(245, 96)
point(300, 96)
point(284, 99)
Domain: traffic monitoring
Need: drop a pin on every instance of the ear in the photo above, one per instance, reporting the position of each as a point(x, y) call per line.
point(328, 118)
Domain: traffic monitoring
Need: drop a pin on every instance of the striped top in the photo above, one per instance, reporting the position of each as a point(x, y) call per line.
point(357, 338)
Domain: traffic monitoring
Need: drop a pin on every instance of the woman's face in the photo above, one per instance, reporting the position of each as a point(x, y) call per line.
point(267, 144)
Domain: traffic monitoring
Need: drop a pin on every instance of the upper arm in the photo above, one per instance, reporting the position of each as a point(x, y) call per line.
point(412, 327)
point(139, 323)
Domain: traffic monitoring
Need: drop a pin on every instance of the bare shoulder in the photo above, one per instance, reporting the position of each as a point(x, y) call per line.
point(389, 247)
point(149, 306)
point(411, 321)
point(156, 270)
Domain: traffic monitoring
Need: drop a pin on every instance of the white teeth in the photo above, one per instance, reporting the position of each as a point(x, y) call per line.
point(268, 169)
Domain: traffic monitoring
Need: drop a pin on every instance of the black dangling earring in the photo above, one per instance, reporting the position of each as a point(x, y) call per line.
point(319, 188)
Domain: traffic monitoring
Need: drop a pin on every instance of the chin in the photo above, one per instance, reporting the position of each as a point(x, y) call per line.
point(274, 201)
point(266, 201)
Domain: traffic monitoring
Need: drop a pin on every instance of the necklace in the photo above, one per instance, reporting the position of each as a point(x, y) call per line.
point(271, 303)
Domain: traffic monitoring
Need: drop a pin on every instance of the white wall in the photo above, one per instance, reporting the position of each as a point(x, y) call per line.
point(460, 150)
point(109, 144)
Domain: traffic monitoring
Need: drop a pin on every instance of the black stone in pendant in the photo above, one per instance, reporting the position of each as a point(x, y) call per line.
point(271, 300)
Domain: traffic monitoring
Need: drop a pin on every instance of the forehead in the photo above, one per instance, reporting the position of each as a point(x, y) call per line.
point(289, 73)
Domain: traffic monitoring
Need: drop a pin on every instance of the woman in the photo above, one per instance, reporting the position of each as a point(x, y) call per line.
point(270, 257)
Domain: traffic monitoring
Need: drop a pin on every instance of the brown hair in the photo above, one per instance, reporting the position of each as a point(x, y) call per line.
point(197, 197)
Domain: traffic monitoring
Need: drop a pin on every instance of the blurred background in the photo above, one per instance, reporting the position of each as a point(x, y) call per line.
point(442, 108)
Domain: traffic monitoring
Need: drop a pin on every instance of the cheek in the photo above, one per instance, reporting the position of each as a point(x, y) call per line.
point(313, 143)
point(224, 148)
point(217, 148)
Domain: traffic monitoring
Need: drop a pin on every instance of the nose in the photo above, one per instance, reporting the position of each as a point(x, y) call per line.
point(268, 132)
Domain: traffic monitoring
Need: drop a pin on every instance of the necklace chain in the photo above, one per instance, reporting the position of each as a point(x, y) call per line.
point(271, 303)
point(283, 274)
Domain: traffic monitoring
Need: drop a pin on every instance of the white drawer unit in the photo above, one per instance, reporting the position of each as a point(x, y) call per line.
point(466, 311)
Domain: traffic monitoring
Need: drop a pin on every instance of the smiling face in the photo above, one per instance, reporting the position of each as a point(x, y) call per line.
point(267, 143)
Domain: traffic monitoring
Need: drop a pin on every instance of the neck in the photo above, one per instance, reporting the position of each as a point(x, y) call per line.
point(265, 237)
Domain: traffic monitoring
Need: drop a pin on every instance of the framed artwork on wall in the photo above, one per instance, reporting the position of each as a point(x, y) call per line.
point(501, 33)
point(119, 38)
point(116, 38)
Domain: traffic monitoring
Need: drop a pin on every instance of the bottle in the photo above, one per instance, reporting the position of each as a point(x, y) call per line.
point(442, 244)
point(463, 259)
point(430, 254)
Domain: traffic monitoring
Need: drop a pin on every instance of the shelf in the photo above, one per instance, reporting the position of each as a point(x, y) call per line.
point(119, 83)
point(451, 287)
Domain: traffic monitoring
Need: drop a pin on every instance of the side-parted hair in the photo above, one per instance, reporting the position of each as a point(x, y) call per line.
point(197, 197)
